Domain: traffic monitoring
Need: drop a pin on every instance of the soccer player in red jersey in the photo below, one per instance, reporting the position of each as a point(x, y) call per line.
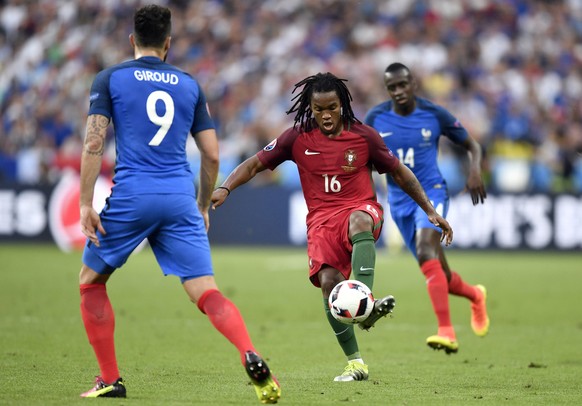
point(335, 154)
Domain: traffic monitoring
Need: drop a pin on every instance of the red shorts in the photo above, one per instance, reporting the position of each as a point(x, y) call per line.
point(328, 241)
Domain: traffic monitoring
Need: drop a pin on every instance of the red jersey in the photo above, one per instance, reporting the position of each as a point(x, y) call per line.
point(334, 172)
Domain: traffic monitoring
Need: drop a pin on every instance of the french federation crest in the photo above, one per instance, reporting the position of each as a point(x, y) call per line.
point(350, 157)
point(426, 134)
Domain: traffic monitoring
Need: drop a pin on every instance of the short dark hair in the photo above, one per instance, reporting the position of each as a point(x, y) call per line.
point(320, 83)
point(397, 66)
point(152, 24)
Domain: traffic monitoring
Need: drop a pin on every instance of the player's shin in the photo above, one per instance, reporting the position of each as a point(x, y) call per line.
point(99, 321)
point(436, 284)
point(226, 318)
point(364, 257)
point(459, 287)
point(343, 332)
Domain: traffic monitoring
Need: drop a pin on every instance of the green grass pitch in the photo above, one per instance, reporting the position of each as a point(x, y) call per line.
point(169, 354)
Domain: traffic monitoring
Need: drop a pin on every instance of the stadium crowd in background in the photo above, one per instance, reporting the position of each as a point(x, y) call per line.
point(510, 70)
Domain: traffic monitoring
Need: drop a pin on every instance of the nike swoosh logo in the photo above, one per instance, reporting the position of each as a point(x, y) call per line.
point(362, 269)
point(388, 134)
point(308, 152)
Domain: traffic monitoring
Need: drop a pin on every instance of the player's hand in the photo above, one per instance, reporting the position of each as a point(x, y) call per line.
point(90, 223)
point(206, 218)
point(476, 188)
point(218, 197)
point(447, 231)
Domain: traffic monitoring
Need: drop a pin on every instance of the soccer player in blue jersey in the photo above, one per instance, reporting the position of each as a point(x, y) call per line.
point(154, 107)
point(411, 127)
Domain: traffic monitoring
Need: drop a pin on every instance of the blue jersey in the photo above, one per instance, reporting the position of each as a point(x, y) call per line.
point(414, 139)
point(153, 107)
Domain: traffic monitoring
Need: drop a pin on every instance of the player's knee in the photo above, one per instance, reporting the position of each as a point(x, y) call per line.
point(328, 279)
point(425, 253)
point(88, 276)
point(196, 287)
point(427, 245)
point(360, 222)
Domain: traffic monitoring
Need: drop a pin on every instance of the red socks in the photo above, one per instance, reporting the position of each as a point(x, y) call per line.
point(458, 287)
point(99, 321)
point(226, 318)
point(438, 291)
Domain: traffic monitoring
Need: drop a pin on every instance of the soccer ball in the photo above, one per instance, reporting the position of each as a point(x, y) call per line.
point(351, 302)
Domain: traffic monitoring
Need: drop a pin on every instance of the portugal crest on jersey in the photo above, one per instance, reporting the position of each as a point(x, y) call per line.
point(350, 157)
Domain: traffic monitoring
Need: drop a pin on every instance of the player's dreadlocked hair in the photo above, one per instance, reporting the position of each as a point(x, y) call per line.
point(320, 83)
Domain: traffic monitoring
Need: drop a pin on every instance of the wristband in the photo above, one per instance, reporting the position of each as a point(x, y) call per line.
point(225, 188)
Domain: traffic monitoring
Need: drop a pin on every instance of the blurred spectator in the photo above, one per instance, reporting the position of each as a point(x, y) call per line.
point(510, 70)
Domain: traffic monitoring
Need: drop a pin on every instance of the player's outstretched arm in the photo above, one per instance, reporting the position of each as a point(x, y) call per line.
point(239, 176)
point(406, 179)
point(91, 160)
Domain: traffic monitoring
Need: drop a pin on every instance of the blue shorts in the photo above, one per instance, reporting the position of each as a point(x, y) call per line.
point(410, 218)
point(172, 224)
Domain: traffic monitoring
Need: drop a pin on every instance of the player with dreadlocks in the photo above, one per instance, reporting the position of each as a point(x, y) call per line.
point(334, 153)
point(322, 82)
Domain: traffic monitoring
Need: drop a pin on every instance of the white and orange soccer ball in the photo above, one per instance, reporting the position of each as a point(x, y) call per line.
point(351, 302)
